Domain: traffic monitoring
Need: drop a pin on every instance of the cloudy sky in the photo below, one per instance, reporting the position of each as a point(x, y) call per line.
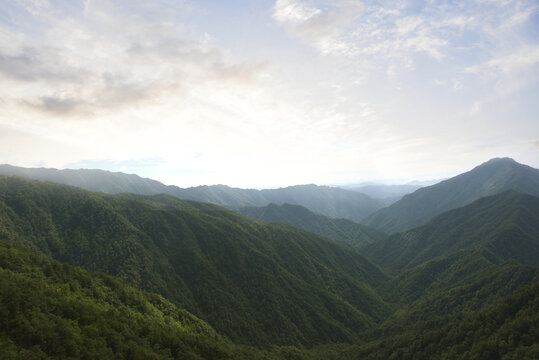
point(267, 93)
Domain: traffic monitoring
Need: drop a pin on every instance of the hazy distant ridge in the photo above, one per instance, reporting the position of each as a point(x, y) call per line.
point(344, 231)
point(329, 201)
point(387, 193)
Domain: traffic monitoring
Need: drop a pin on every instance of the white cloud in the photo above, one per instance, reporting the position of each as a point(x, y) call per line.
point(518, 60)
point(293, 11)
point(394, 34)
point(34, 7)
point(126, 81)
point(325, 30)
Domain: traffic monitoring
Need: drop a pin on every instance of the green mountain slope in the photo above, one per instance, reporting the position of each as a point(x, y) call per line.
point(254, 282)
point(494, 315)
point(56, 311)
point(492, 177)
point(460, 287)
point(51, 310)
point(329, 201)
point(506, 225)
point(341, 230)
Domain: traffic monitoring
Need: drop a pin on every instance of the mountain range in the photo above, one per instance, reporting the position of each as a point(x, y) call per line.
point(125, 275)
point(329, 201)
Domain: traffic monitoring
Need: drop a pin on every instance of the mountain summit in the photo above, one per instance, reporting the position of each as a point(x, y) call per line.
point(490, 178)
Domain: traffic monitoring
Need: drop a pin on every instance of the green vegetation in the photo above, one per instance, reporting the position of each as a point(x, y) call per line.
point(463, 286)
point(51, 310)
point(341, 230)
point(506, 225)
point(220, 266)
point(504, 329)
point(493, 177)
point(54, 310)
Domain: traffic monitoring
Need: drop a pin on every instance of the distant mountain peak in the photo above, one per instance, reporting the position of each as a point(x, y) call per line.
point(492, 177)
point(500, 161)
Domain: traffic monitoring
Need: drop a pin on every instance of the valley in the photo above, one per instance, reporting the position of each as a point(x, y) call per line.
point(195, 280)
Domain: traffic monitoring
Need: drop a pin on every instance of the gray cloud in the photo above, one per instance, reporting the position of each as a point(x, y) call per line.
point(170, 48)
point(60, 106)
point(101, 69)
point(210, 62)
point(102, 99)
point(39, 64)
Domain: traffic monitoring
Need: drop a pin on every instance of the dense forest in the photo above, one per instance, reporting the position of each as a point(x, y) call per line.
point(222, 267)
point(93, 275)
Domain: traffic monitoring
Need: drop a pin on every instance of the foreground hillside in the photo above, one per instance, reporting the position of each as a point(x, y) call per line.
point(52, 310)
point(490, 178)
point(495, 315)
point(224, 268)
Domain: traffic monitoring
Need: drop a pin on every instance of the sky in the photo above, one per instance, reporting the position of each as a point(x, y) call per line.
point(264, 93)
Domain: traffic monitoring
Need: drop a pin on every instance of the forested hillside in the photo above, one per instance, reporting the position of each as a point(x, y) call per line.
point(463, 286)
point(52, 310)
point(493, 316)
point(507, 225)
point(224, 268)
